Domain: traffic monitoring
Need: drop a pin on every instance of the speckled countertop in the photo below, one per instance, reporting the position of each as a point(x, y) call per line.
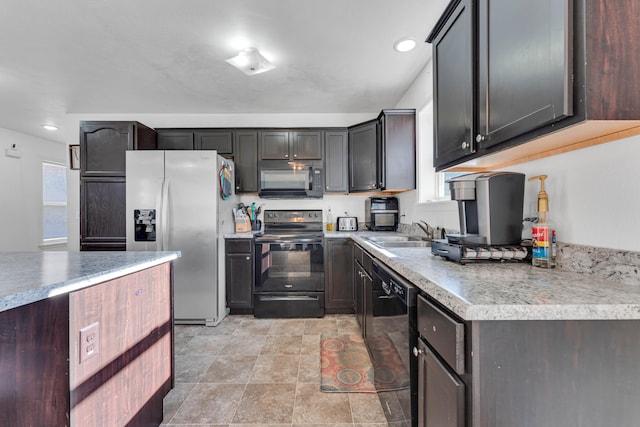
point(27, 277)
point(508, 291)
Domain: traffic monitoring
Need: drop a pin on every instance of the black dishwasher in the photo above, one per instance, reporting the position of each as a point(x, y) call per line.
point(391, 326)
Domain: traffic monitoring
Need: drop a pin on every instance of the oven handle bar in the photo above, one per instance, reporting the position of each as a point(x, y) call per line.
point(287, 298)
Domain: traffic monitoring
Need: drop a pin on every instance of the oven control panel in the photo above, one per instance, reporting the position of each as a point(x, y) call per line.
point(297, 216)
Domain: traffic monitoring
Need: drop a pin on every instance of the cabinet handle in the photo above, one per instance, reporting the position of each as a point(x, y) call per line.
point(480, 138)
point(417, 351)
point(434, 328)
point(248, 258)
point(286, 155)
point(295, 155)
point(464, 145)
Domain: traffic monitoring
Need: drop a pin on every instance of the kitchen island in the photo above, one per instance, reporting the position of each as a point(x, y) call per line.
point(509, 344)
point(85, 337)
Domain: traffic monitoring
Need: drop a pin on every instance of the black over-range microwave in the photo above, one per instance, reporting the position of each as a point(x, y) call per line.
point(286, 179)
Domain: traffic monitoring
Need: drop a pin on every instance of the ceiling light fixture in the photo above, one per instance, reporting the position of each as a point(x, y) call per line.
point(405, 44)
point(250, 61)
point(50, 127)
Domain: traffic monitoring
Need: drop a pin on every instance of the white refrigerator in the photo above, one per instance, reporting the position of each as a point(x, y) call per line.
point(182, 200)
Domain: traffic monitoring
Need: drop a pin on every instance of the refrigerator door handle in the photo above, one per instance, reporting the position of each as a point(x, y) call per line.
point(164, 206)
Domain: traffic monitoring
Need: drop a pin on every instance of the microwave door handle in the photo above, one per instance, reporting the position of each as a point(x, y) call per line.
point(310, 178)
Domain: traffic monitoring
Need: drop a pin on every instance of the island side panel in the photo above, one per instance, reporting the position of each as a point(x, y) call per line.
point(560, 373)
point(124, 382)
point(34, 343)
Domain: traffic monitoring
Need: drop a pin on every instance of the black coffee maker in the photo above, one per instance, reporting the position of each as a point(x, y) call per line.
point(490, 206)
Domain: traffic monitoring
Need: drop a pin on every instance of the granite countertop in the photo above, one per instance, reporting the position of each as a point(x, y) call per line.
point(506, 290)
point(27, 277)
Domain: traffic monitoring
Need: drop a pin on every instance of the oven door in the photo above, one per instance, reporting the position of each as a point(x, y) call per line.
point(289, 266)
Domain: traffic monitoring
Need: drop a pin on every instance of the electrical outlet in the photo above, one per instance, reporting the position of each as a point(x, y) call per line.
point(89, 341)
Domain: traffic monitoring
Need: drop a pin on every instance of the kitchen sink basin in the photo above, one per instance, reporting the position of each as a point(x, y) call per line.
point(398, 241)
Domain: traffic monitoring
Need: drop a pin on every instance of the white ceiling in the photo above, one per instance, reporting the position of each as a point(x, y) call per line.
point(168, 56)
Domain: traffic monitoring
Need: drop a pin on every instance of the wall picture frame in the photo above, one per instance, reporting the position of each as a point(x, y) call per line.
point(74, 157)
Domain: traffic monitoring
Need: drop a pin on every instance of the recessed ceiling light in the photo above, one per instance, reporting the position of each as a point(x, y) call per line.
point(405, 45)
point(50, 127)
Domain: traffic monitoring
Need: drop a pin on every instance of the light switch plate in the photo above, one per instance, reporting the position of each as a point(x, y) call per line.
point(89, 341)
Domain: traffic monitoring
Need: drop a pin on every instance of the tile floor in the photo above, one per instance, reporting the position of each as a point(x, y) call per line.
point(262, 372)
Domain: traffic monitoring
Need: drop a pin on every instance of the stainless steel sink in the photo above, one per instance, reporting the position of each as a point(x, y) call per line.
point(389, 241)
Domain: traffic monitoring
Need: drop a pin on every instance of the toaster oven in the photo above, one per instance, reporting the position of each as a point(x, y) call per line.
point(381, 213)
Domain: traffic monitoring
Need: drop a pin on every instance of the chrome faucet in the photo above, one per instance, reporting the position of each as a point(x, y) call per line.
point(428, 230)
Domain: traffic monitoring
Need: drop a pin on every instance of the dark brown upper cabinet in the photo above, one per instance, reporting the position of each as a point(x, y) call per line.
point(220, 140)
point(245, 155)
point(336, 162)
point(175, 139)
point(363, 157)
point(290, 145)
point(551, 77)
point(382, 152)
point(103, 146)
point(453, 89)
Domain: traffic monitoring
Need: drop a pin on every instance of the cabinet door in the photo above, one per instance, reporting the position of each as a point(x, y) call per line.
point(358, 294)
point(222, 141)
point(274, 145)
point(245, 152)
point(440, 392)
point(239, 280)
point(338, 276)
point(336, 162)
point(102, 212)
point(103, 146)
point(453, 88)
point(307, 145)
point(175, 140)
point(398, 149)
point(363, 157)
point(524, 67)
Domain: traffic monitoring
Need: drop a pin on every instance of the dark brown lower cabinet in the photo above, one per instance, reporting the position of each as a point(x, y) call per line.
point(48, 379)
point(338, 275)
point(538, 373)
point(102, 213)
point(239, 275)
point(441, 393)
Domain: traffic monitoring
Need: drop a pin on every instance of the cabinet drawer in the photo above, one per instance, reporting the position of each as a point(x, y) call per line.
point(443, 333)
point(239, 246)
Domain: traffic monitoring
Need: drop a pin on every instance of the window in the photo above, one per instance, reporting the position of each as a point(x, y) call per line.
point(54, 204)
point(432, 185)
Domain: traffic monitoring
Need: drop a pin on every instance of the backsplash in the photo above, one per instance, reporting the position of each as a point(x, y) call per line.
point(609, 264)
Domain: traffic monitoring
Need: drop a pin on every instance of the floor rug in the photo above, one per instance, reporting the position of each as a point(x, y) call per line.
point(345, 365)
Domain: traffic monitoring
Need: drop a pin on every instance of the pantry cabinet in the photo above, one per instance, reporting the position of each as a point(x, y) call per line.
point(102, 180)
point(551, 77)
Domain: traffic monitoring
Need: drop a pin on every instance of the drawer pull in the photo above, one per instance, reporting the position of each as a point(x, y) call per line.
point(434, 328)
